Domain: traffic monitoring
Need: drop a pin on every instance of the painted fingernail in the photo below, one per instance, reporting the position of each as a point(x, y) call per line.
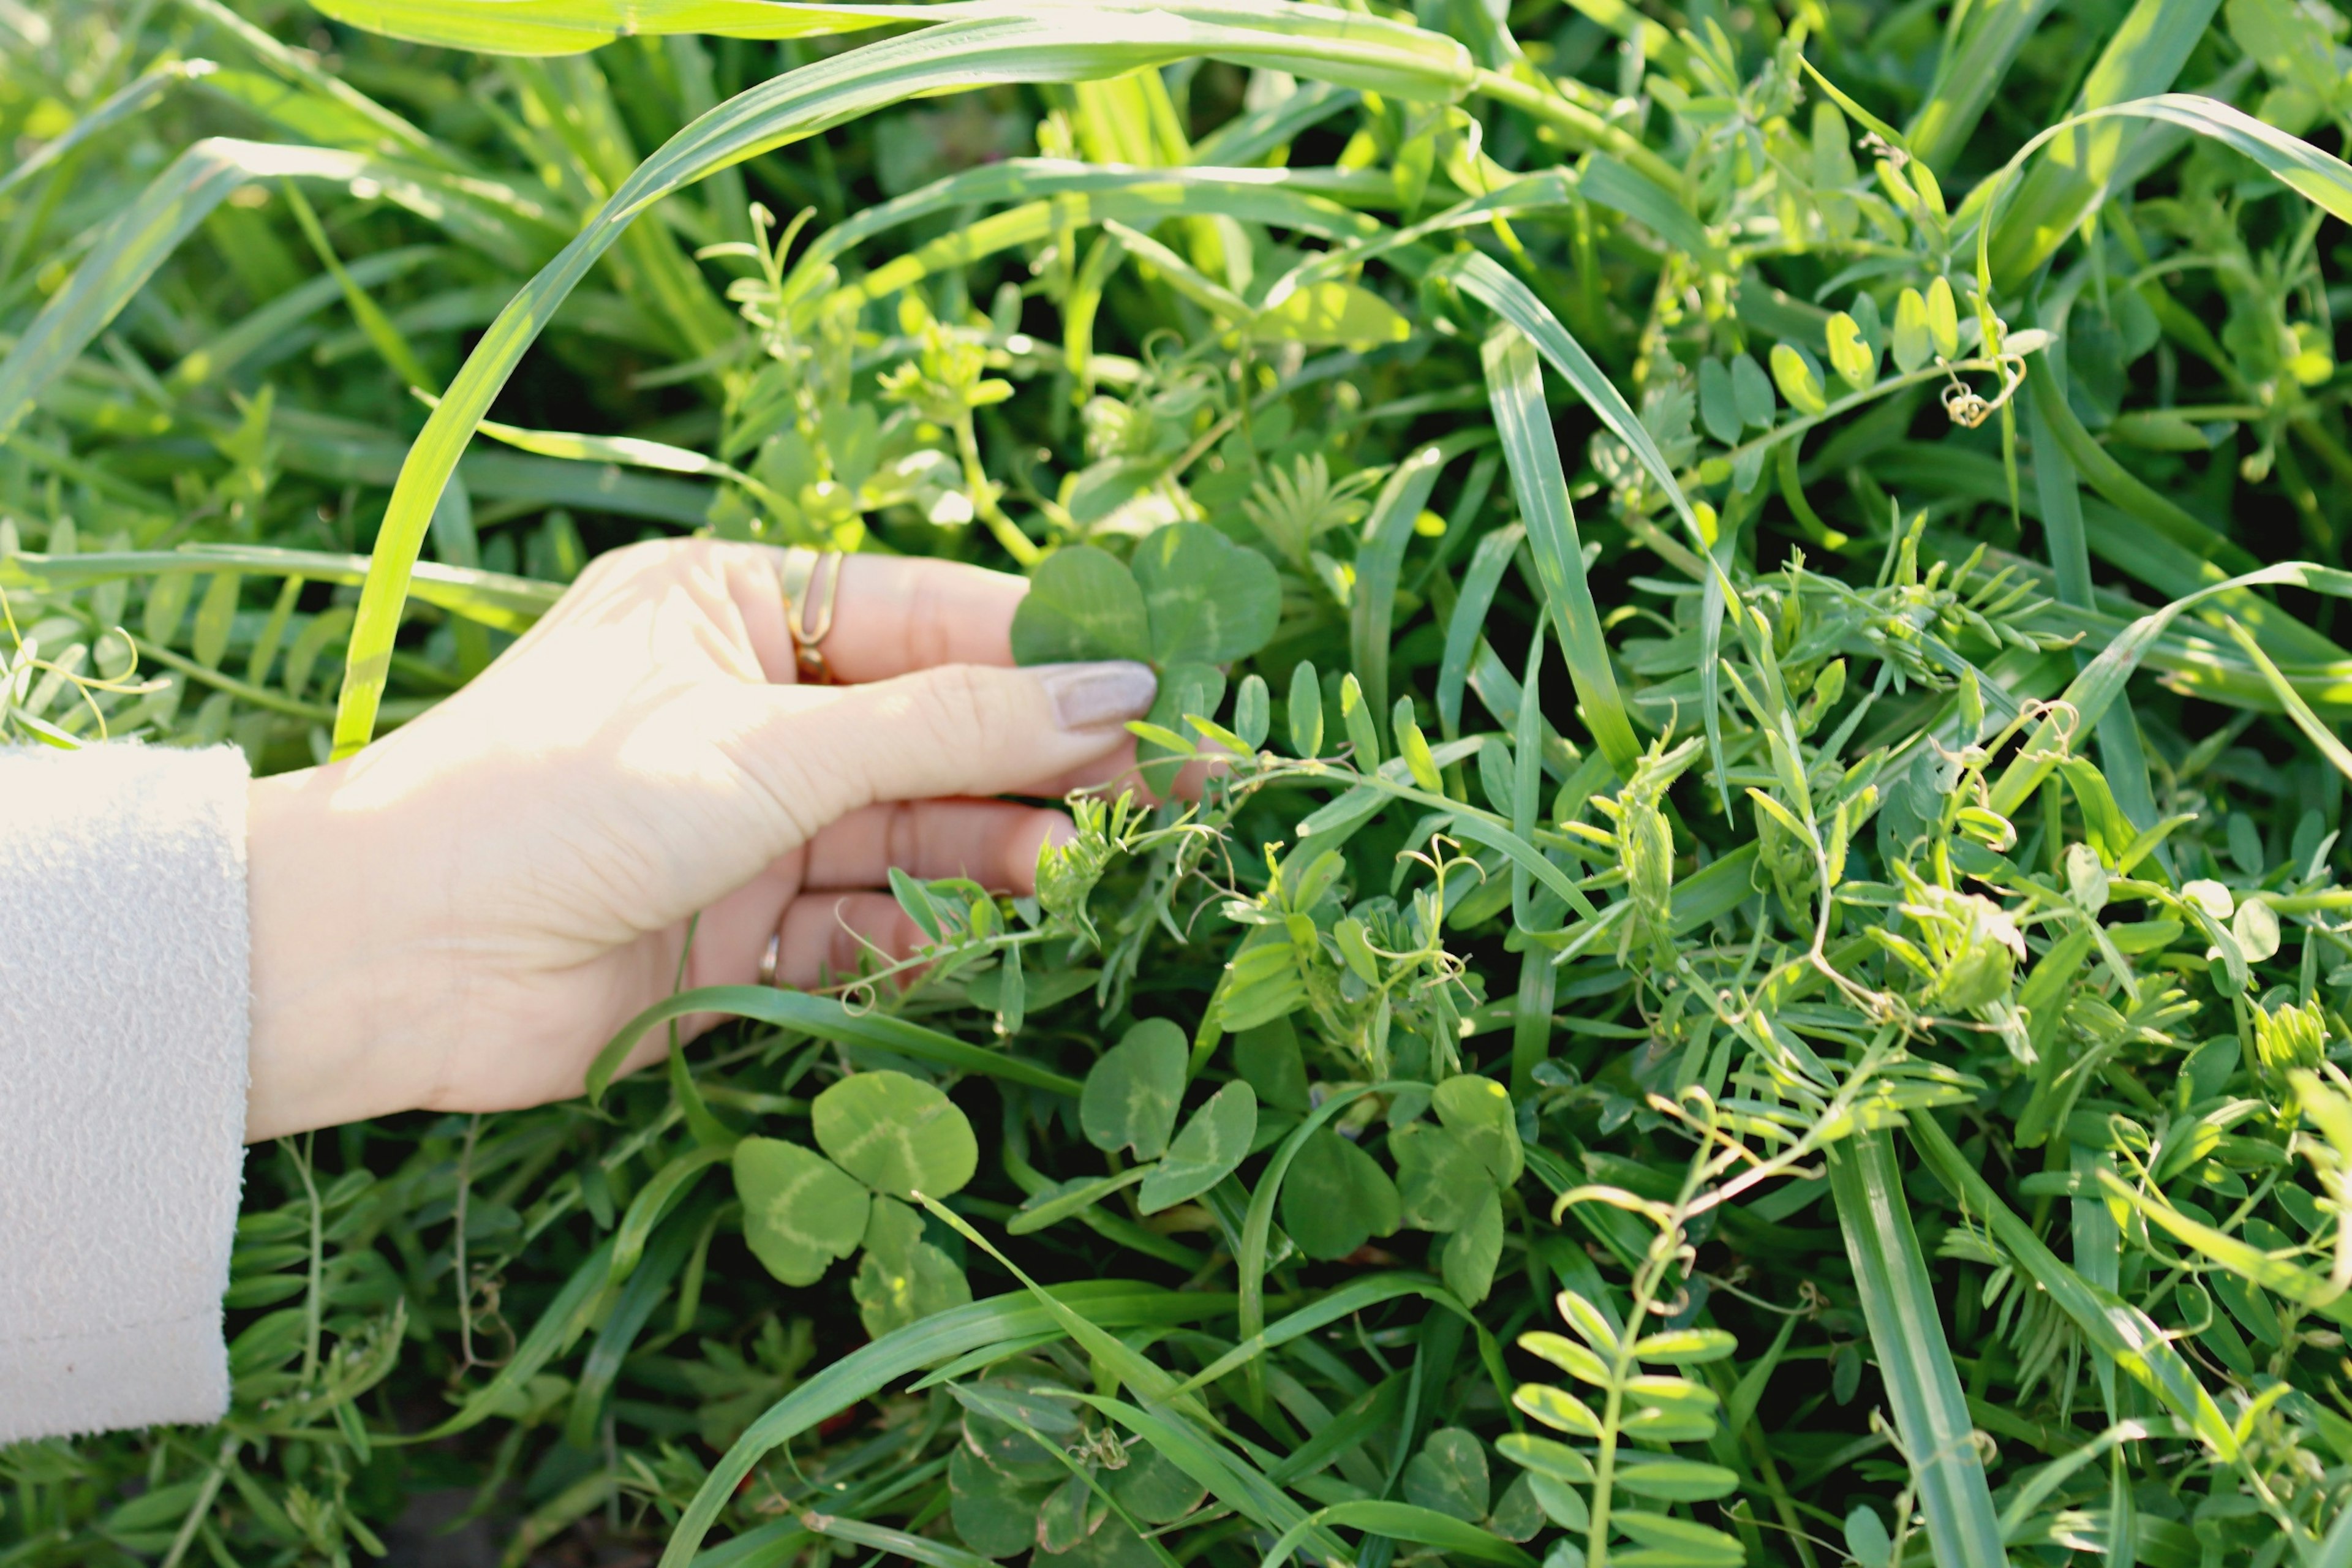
point(1089, 696)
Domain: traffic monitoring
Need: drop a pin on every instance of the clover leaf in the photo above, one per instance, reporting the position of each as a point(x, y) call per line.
point(1133, 1093)
point(1479, 1109)
point(1209, 1149)
point(1336, 1197)
point(1209, 600)
point(800, 1211)
point(1442, 1175)
point(1082, 604)
point(897, 1134)
point(1190, 596)
point(903, 1279)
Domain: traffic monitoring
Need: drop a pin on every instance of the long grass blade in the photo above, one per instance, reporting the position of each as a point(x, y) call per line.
point(1380, 558)
point(1906, 1330)
point(1514, 391)
point(827, 1019)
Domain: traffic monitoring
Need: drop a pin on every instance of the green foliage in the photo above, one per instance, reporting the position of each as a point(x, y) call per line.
point(1850, 1070)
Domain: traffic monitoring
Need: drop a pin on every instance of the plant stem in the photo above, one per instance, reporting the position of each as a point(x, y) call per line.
point(1017, 544)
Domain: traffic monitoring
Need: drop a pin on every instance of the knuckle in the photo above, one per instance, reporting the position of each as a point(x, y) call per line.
point(960, 699)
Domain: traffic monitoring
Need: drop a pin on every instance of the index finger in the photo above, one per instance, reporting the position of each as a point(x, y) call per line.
point(895, 614)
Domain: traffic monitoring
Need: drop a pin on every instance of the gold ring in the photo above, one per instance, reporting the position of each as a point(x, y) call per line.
point(809, 591)
point(769, 959)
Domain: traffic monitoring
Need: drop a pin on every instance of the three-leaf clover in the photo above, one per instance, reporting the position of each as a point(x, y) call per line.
point(886, 1137)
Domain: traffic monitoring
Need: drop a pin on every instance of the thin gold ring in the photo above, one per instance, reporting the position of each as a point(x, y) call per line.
point(810, 593)
point(769, 960)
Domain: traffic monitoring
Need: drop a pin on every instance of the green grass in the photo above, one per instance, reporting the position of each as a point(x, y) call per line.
point(1776, 992)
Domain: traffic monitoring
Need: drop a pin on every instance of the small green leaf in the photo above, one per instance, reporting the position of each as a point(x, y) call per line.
point(1152, 1487)
point(800, 1211)
point(1442, 1175)
point(1588, 1321)
point(1206, 599)
point(167, 604)
point(1686, 1347)
point(897, 1134)
point(1545, 1456)
point(1854, 359)
point(995, 1515)
point(1269, 1060)
point(1579, 1361)
point(1413, 746)
point(1943, 319)
point(1799, 376)
point(1305, 711)
point(215, 615)
point(1700, 1545)
point(1134, 1091)
point(1336, 1197)
point(1082, 602)
point(1718, 401)
point(1752, 390)
point(1252, 711)
point(1357, 718)
point(1673, 1481)
point(1564, 1506)
point(1208, 1150)
point(1913, 347)
point(1184, 688)
point(1558, 1409)
point(1866, 1541)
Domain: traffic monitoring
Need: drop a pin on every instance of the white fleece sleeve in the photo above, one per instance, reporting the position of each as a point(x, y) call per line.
point(124, 987)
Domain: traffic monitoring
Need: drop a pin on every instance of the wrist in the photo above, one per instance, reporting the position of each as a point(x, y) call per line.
point(322, 1002)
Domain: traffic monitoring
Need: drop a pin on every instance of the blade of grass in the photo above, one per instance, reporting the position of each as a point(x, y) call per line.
point(381, 335)
point(2070, 559)
point(133, 97)
point(1471, 600)
point(2088, 696)
point(827, 1019)
point(1380, 560)
point(1515, 390)
point(494, 599)
point(2322, 736)
point(1977, 55)
point(1906, 1330)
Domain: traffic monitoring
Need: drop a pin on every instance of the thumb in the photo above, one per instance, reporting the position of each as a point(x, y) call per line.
point(952, 729)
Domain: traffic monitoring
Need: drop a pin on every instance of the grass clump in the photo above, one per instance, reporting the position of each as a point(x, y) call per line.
point(1766, 981)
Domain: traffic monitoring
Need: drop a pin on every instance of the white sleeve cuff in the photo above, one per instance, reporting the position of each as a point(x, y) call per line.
point(124, 990)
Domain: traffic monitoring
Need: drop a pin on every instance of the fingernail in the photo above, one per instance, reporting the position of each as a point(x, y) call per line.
point(1089, 696)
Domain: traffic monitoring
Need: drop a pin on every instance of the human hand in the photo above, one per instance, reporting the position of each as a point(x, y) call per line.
point(461, 915)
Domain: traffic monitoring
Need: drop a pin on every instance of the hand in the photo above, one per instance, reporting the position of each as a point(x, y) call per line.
point(460, 916)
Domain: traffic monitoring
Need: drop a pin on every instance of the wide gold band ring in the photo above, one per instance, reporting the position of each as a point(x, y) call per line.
point(812, 583)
